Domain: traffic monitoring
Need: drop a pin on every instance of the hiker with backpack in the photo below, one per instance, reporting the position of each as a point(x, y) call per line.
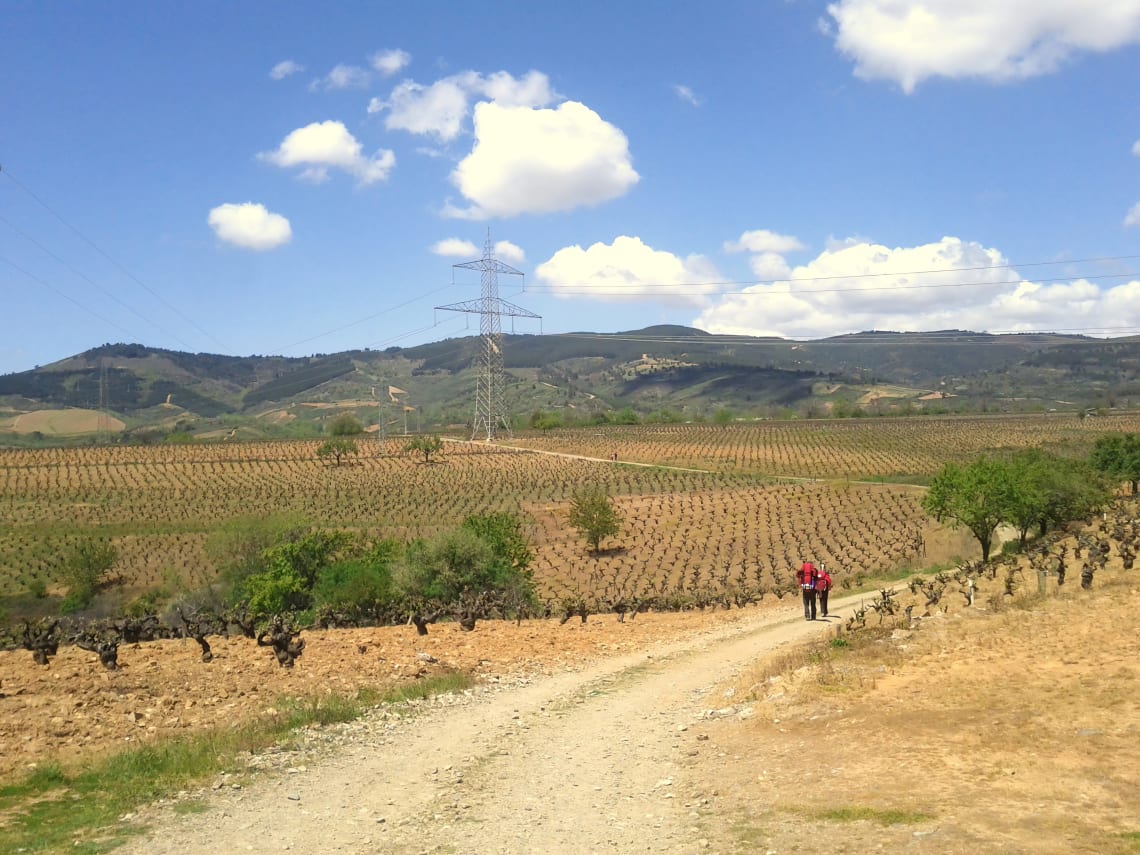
point(822, 587)
point(806, 576)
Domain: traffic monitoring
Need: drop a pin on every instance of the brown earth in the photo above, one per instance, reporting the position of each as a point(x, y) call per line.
point(67, 422)
point(1010, 726)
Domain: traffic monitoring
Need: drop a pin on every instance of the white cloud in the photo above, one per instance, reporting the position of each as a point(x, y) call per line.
point(686, 94)
point(284, 68)
point(908, 41)
point(628, 270)
point(769, 266)
point(322, 145)
point(250, 226)
point(441, 107)
point(459, 248)
point(388, 62)
point(343, 77)
point(438, 109)
point(509, 252)
point(762, 240)
point(1136, 148)
point(528, 161)
point(1132, 218)
point(951, 284)
point(456, 248)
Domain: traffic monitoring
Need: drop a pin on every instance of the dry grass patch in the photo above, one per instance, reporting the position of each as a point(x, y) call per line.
point(1017, 730)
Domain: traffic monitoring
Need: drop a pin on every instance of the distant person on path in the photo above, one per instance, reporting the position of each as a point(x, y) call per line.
point(806, 576)
point(822, 587)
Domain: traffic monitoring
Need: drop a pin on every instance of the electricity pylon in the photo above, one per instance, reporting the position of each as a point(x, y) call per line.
point(490, 405)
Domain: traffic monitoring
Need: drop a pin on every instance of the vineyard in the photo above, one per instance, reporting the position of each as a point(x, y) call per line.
point(857, 449)
point(715, 511)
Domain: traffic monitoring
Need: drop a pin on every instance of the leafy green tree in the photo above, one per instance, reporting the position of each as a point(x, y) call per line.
point(235, 548)
point(977, 496)
point(504, 533)
point(278, 589)
point(446, 567)
point(289, 572)
point(724, 416)
point(1028, 489)
point(337, 448)
point(346, 424)
point(1076, 491)
point(361, 584)
point(1118, 456)
point(425, 444)
point(592, 512)
point(1048, 491)
point(544, 421)
point(84, 569)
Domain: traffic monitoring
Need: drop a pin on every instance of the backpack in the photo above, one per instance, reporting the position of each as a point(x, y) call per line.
point(807, 576)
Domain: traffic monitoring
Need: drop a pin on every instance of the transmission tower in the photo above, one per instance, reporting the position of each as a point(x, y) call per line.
point(490, 405)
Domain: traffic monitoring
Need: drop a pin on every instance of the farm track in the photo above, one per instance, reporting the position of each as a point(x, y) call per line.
point(586, 761)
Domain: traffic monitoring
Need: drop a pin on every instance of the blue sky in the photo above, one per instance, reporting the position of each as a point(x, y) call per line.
point(294, 178)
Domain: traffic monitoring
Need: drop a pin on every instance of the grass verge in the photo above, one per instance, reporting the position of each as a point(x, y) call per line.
point(54, 810)
point(870, 814)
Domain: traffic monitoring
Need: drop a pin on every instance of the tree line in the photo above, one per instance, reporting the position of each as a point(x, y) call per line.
point(1031, 490)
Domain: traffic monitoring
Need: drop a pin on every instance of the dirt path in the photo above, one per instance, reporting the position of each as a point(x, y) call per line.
point(588, 761)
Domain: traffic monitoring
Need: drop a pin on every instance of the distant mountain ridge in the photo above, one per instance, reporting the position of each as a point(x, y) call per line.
point(658, 368)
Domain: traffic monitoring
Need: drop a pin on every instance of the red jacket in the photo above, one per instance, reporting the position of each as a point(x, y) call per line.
point(822, 580)
point(806, 575)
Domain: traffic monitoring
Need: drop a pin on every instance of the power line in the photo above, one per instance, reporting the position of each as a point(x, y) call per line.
point(844, 276)
point(364, 320)
point(121, 268)
point(67, 297)
point(93, 284)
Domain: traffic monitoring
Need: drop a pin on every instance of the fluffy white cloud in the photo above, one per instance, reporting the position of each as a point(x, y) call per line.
point(455, 248)
point(951, 284)
point(284, 68)
point(343, 77)
point(908, 41)
point(1136, 148)
point(1132, 218)
point(441, 107)
point(250, 226)
point(628, 270)
point(769, 266)
point(459, 248)
point(438, 109)
point(687, 95)
point(388, 62)
point(528, 161)
point(509, 252)
point(322, 145)
point(762, 240)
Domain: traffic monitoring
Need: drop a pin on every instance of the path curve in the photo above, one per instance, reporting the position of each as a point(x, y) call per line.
point(584, 761)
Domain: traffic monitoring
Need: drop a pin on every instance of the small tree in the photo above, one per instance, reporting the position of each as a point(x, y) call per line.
point(1118, 455)
point(976, 496)
point(337, 448)
point(84, 570)
point(346, 424)
point(592, 512)
point(426, 444)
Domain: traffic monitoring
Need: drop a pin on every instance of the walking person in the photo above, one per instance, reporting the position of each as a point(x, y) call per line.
point(806, 576)
point(822, 587)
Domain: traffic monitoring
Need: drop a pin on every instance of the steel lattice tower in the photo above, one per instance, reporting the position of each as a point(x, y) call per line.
point(490, 404)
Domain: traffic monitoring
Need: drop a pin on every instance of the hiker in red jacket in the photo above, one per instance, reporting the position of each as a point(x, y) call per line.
point(806, 576)
point(822, 587)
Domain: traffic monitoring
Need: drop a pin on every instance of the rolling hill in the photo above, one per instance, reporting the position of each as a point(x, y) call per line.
point(664, 372)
